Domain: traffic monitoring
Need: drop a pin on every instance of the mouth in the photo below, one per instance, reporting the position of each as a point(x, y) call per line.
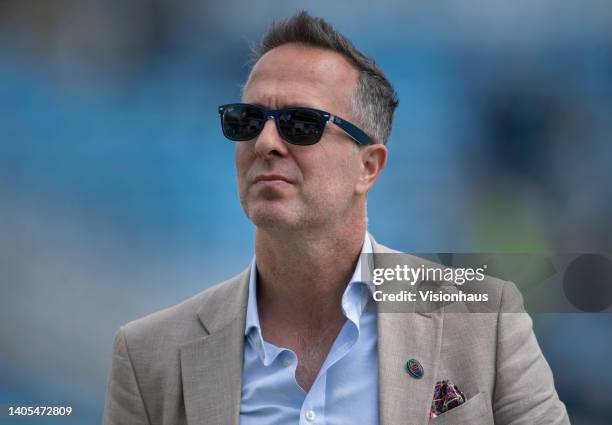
point(271, 179)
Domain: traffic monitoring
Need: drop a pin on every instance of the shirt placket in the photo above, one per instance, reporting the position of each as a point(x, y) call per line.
point(313, 408)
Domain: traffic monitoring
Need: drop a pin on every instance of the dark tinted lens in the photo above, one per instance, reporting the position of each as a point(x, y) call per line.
point(300, 126)
point(242, 122)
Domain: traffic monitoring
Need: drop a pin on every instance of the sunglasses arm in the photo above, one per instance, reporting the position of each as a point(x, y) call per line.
point(352, 130)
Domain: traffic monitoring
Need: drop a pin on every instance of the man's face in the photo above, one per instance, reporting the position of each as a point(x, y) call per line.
point(311, 185)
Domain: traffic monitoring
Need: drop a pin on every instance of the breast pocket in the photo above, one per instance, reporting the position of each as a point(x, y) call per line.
point(475, 411)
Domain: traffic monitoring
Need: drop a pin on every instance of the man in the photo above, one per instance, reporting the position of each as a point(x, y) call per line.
point(296, 337)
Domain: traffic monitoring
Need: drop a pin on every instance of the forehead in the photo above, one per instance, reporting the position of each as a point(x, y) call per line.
point(299, 75)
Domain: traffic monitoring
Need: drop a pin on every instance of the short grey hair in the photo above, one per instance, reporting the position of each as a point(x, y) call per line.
point(373, 101)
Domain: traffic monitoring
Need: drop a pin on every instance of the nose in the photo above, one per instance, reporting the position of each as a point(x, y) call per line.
point(269, 143)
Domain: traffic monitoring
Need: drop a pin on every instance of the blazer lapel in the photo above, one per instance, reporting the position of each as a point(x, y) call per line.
point(403, 336)
point(211, 366)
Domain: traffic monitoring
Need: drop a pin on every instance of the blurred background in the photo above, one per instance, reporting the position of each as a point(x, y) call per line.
point(118, 192)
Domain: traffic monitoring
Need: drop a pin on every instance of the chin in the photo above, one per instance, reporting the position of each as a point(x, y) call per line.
point(271, 216)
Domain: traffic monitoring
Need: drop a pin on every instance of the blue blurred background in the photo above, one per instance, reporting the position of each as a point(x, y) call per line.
point(118, 192)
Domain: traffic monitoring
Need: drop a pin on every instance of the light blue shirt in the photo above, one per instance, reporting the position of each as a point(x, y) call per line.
point(346, 389)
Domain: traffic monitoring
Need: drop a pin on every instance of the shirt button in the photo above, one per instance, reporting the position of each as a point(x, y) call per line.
point(310, 415)
point(257, 343)
point(287, 361)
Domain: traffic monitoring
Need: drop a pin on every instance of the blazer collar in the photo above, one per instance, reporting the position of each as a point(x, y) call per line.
point(211, 367)
point(225, 303)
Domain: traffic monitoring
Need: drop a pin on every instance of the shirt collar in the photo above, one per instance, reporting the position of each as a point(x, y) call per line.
point(354, 300)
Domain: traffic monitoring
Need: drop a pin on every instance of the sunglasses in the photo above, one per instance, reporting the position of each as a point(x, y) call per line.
point(299, 126)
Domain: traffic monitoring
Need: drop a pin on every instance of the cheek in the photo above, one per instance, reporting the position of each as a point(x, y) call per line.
point(242, 161)
point(242, 167)
point(334, 176)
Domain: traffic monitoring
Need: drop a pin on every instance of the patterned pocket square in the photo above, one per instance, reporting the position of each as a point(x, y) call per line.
point(447, 396)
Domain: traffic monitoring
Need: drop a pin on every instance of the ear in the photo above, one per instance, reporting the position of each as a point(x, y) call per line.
point(373, 160)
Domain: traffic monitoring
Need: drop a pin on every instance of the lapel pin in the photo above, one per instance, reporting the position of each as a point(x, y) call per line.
point(414, 368)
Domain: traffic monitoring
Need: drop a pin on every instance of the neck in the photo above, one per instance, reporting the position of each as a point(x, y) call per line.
point(302, 275)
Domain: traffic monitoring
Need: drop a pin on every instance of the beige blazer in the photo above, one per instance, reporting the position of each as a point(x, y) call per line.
point(183, 365)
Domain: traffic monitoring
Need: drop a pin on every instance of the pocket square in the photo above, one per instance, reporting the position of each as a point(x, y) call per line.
point(447, 396)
